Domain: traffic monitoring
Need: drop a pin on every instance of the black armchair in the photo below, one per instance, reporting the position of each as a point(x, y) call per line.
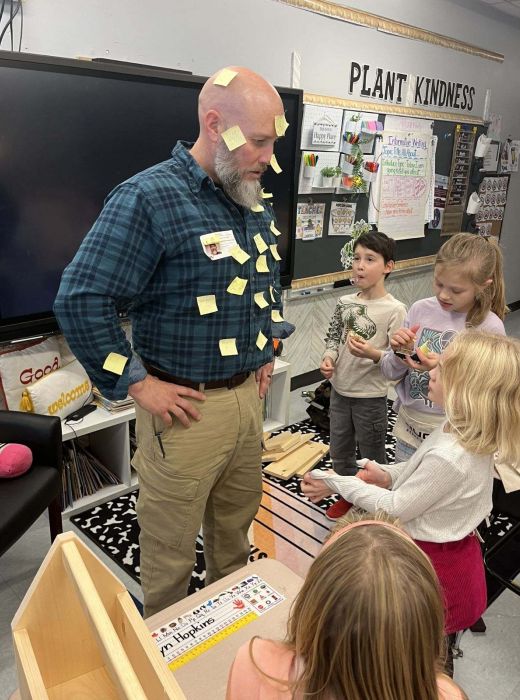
point(24, 498)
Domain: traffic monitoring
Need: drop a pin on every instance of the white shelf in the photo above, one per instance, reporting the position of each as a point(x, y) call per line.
point(110, 438)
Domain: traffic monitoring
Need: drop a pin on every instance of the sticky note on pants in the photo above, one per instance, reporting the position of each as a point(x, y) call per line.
point(115, 363)
point(228, 346)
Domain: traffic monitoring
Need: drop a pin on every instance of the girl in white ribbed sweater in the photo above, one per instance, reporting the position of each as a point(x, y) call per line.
point(444, 490)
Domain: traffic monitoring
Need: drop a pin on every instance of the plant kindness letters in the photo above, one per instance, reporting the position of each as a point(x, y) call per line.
point(417, 91)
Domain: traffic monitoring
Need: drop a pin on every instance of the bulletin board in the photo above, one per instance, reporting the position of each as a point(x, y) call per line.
point(319, 256)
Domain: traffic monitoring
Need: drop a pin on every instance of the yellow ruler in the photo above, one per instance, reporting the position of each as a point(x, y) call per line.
point(211, 641)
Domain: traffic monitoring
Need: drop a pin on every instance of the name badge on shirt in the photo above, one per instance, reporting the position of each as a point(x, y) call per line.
point(218, 245)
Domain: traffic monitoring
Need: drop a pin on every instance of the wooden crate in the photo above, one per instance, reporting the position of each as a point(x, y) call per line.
point(78, 634)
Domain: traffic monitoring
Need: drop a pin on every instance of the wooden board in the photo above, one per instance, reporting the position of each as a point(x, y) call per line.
point(282, 442)
point(275, 456)
point(297, 460)
point(312, 462)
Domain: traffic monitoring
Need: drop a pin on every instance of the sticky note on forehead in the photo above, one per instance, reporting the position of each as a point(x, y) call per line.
point(274, 164)
point(280, 124)
point(233, 137)
point(225, 77)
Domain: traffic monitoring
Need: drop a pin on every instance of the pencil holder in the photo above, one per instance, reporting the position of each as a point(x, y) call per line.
point(347, 167)
point(369, 176)
point(309, 171)
point(347, 147)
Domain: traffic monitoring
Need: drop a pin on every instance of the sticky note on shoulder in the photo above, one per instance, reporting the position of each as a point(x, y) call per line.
point(280, 124)
point(237, 286)
point(274, 164)
point(225, 77)
point(115, 363)
point(228, 346)
point(207, 304)
point(233, 137)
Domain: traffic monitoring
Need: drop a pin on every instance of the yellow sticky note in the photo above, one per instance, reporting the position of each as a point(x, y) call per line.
point(237, 286)
point(274, 165)
point(271, 292)
point(225, 77)
point(234, 138)
point(260, 243)
point(115, 363)
point(274, 251)
point(261, 340)
point(274, 229)
point(276, 316)
point(266, 195)
point(280, 124)
point(228, 346)
point(261, 264)
point(207, 304)
point(260, 300)
point(210, 238)
point(257, 208)
point(240, 255)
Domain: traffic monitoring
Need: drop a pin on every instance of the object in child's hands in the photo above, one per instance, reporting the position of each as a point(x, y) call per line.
point(15, 460)
point(81, 412)
point(338, 510)
point(356, 337)
point(404, 351)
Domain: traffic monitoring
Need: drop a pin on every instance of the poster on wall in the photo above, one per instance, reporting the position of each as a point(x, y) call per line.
point(309, 220)
point(492, 192)
point(342, 215)
point(458, 182)
point(405, 186)
point(321, 127)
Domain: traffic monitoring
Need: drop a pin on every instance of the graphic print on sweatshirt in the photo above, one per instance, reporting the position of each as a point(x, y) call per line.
point(357, 320)
point(437, 341)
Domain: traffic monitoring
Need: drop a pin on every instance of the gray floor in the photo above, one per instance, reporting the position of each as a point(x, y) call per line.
point(489, 669)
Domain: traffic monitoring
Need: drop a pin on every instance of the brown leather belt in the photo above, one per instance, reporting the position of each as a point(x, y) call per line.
point(231, 383)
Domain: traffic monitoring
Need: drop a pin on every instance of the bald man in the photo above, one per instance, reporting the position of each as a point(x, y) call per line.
point(201, 358)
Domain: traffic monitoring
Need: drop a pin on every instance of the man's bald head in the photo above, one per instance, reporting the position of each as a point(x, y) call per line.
point(249, 105)
point(246, 91)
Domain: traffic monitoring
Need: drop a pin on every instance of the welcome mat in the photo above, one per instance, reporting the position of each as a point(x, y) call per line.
point(287, 526)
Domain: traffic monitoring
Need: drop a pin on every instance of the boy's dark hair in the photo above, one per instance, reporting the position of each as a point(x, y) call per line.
point(378, 242)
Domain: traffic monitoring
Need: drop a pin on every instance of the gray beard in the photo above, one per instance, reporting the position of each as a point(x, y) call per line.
point(243, 192)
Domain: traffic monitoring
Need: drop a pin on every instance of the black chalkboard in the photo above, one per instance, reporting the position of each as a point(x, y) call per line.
point(322, 255)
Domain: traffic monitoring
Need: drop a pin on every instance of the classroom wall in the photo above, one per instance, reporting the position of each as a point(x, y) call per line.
point(203, 35)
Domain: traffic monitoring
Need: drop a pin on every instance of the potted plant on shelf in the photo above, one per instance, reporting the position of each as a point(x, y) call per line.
point(337, 176)
point(327, 176)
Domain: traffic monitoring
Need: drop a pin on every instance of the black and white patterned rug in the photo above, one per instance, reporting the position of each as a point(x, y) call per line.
point(113, 526)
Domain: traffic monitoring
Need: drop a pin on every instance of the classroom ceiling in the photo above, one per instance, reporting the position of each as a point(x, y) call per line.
point(508, 7)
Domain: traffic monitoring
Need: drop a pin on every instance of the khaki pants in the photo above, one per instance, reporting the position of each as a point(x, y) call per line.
point(210, 476)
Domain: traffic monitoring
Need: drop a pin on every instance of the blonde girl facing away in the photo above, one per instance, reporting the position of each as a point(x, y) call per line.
point(469, 292)
point(367, 624)
point(444, 490)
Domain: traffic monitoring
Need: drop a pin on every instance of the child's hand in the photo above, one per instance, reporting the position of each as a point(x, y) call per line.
point(428, 361)
point(404, 336)
point(315, 489)
point(362, 348)
point(372, 474)
point(327, 367)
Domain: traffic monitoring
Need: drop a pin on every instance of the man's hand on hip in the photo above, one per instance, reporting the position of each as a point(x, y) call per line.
point(263, 378)
point(166, 400)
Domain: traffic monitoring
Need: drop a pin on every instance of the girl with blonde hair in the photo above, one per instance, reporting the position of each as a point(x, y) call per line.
point(469, 293)
point(367, 624)
point(444, 490)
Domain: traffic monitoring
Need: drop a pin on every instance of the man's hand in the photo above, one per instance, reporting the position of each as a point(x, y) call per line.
point(372, 474)
point(362, 348)
point(166, 400)
point(263, 376)
point(315, 489)
point(327, 367)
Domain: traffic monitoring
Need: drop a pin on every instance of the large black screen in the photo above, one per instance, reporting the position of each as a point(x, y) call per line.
point(69, 132)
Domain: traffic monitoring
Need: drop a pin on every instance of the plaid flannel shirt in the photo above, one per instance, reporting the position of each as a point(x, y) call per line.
point(144, 257)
